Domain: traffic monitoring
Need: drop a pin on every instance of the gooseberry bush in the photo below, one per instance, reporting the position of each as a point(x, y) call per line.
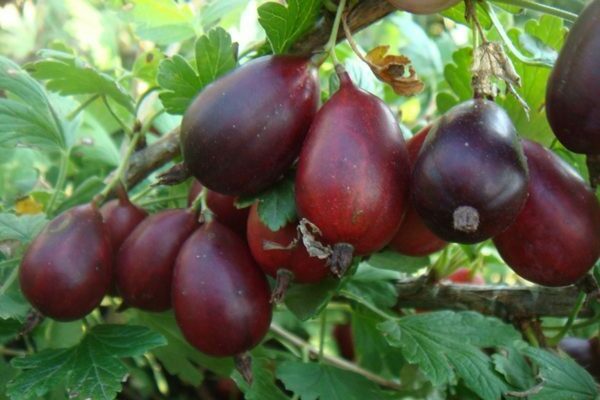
point(301, 199)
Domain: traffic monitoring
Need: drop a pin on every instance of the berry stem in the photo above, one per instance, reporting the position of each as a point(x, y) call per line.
point(81, 107)
point(322, 330)
point(563, 332)
point(119, 174)
point(60, 181)
point(508, 42)
point(330, 46)
point(290, 338)
point(112, 112)
point(543, 8)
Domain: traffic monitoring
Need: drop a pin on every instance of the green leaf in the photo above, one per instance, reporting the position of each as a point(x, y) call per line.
point(371, 287)
point(263, 384)
point(457, 13)
point(562, 378)
point(373, 350)
point(537, 38)
point(214, 11)
point(8, 329)
point(548, 31)
point(277, 207)
point(515, 369)
point(13, 304)
point(447, 344)
point(22, 228)
point(27, 117)
point(91, 369)
point(458, 77)
point(179, 357)
point(306, 301)
point(393, 261)
point(215, 55)
point(146, 65)
point(284, 25)
point(68, 75)
point(163, 21)
point(180, 83)
point(313, 381)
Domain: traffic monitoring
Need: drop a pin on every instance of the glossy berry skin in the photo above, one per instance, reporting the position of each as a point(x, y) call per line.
point(352, 178)
point(555, 239)
point(244, 131)
point(470, 179)
point(586, 352)
point(145, 262)
point(463, 276)
point(572, 101)
point(423, 6)
point(67, 269)
point(223, 207)
point(306, 269)
point(220, 295)
point(121, 217)
point(414, 238)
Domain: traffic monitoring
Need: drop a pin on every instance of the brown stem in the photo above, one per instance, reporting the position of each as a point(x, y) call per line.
point(175, 175)
point(333, 360)
point(32, 320)
point(284, 278)
point(243, 363)
point(505, 302)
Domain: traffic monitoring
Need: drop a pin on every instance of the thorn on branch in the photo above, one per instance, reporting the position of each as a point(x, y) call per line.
point(173, 176)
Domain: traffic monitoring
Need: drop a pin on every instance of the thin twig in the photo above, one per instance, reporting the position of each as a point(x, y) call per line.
point(333, 360)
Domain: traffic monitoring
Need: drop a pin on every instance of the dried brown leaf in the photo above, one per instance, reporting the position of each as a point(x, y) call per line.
point(395, 70)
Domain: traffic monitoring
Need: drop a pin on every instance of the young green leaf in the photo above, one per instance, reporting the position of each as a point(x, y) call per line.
point(162, 21)
point(68, 75)
point(22, 228)
point(446, 344)
point(562, 378)
point(311, 381)
point(179, 82)
point(277, 207)
point(92, 369)
point(215, 55)
point(146, 65)
point(284, 25)
point(28, 117)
